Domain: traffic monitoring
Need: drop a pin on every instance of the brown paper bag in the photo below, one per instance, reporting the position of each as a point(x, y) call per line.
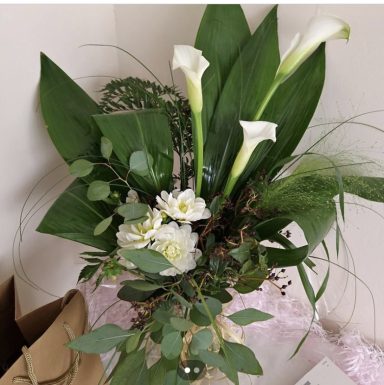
point(48, 361)
point(11, 340)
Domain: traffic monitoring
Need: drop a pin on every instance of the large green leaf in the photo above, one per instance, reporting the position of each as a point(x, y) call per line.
point(67, 112)
point(146, 131)
point(291, 108)
point(74, 217)
point(222, 33)
point(245, 88)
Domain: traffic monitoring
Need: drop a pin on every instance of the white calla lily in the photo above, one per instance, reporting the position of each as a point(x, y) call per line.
point(192, 62)
point(320, 29)
point(253, 133)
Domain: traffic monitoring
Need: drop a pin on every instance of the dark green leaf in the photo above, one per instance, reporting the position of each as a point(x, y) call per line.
point(100, 340)
point(242, 358)
point(218, 361)
point(222, 33)
point(87, 272)
point(141, 285)
point(291, 108)
point(98, 190)
point(147, 260)
point(140, 163)
point(198, 318)
point(157, 373)
point(213, 304)
point(146, 131)
point(245, 87)
point(106, 147)
point(134, 368)
point(182, 301)
point(171, 345)
point(102, 226)
point(162, 316)
point(127, 293)
point(81, 168)
point(248, 316)
point(67, 111)
point(74, 217)
point(285, 258)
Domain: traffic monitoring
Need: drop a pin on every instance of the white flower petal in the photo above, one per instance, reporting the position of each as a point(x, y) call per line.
point(320, 29)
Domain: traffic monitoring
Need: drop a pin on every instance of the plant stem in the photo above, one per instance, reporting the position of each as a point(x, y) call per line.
point(198, 139)
point(276, 83)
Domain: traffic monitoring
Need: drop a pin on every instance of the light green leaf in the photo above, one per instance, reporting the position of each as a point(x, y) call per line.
point(106, 147)
point(98, 190)
point(202, 340)
point(134, 367)
point(101, 340)
point(132, 342)
point(181, 324)
point(147, 260)
point(80, 168)
point(248, 316)
point(242, 253)
point(171, 345)
point(133, 212)
point(103, 226)
point(182, 301)
point(140, 163)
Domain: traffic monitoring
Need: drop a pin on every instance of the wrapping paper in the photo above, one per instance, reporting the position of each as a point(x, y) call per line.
point(273, 341)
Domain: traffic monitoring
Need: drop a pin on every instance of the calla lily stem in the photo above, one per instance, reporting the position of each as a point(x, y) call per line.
point(198, 141)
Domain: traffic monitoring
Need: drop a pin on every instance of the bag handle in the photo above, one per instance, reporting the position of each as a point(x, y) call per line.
point(68, 377)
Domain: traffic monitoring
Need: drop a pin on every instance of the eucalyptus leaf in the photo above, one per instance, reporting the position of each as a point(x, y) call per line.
point(140, 163)
point(181, 324)
point(103, 226)
point(141, 285)
point(100, 340)
point(133, 342)
point(157, 373)
point(241, 253)
point(202, 340)
point(80, 168)
point(106, 147)
point(134, 367)
point(98, 190)
point(133, 211)
point(248, 316)
point(213, 304)
point(147, 260)
point(171, 345)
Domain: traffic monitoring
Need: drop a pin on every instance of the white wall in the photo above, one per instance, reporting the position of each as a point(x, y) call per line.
point(354, 85)
point(26, 151)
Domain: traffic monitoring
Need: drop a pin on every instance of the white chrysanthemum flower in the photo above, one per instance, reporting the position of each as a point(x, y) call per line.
point(178, 245)
point(132, 197)
point(139, 235)
point(183, 206)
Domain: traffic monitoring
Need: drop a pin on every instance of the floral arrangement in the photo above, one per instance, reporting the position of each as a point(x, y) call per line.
point(184, 193)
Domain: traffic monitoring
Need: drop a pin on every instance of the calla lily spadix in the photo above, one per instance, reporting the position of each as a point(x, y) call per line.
point(253, 134)
point(192, 62)
point(320, 29)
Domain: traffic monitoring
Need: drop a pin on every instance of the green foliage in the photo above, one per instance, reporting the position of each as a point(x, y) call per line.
point(103, 226)
point(171, 345)
point(133, 212)
point(81, 168)
point(248, 316)
point(106, 147)
point(202, 340)
point(140, 163)
point(133, 94)
point(100, 340)
point(98, 190)
point(147, 260)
